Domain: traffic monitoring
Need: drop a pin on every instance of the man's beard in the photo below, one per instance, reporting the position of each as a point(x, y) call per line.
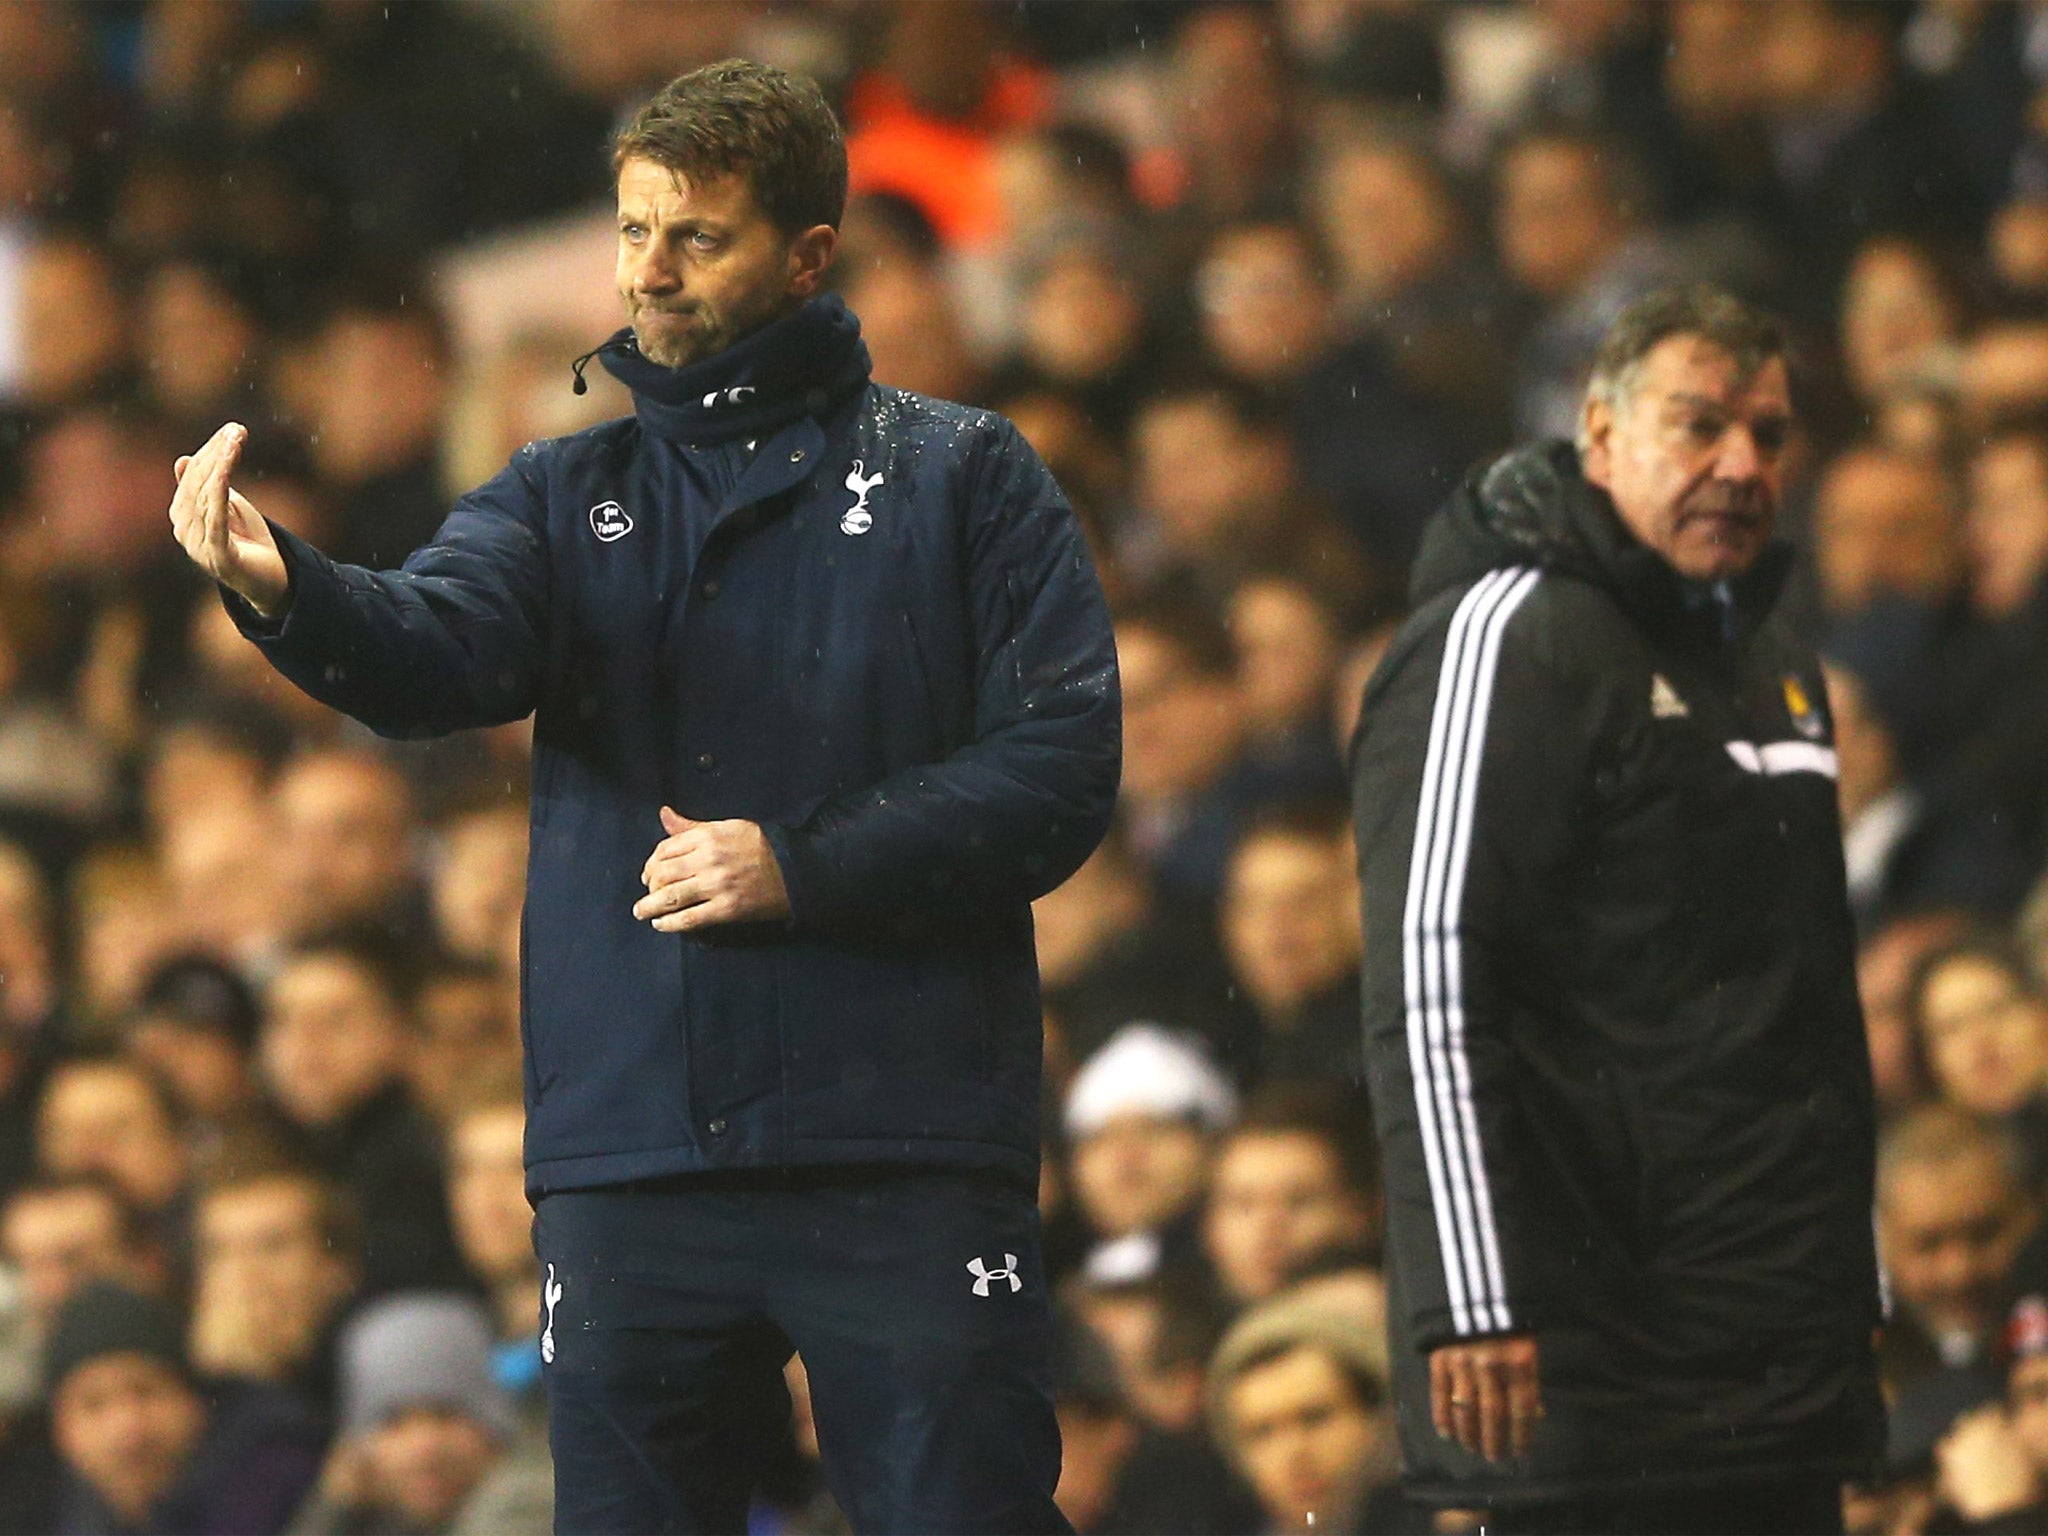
point(678, 349)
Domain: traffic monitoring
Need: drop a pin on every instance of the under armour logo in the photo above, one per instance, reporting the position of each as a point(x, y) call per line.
point(983, 1274)
point(738, 394)
point(550, 1293)
point(857, 518)
point(608, 521)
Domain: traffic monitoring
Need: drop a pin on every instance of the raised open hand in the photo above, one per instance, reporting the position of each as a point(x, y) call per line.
point(218, 528)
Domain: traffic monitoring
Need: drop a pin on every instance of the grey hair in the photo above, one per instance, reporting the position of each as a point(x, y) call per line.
point(1749, 335)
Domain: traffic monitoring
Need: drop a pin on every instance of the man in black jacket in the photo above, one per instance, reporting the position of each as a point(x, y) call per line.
point(824, 694)
point(1615, 1049)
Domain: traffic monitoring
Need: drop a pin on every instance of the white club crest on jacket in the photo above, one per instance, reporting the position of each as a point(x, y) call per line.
point(857, 519)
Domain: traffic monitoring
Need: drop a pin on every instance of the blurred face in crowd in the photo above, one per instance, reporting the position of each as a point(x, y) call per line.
point(1884, 977)
point(1287, 649)
point(1290, 917)
point(468, 1029)
point(1386, 217)
point(1210, 481)
point(1556, 219)
point(1264, 306)
point(479, 880)
point(1885, 522)
point(56, 1239)
point(108, 1118)
point(1985, 1034)
point(1138, 1172)
point(74, 324)
point(332, 1040)
point(264, 1262)
point(348, 821)
point(192, 769)
point(1950, 1229)
point(206, 1070)
point(487, 1192)
point(1276, 1199)
point(913, 331)
point(2005, 530)
point(127, 1425)
point(1895, 312)
point(1182, 727)
point(197, 340)
point(1130, 1322)
point(1082, 318)
point(222, 868)
point(425, 1461)
point(1305, 1438)
point(377, 392)
point(1692, 452)
point(702, 265)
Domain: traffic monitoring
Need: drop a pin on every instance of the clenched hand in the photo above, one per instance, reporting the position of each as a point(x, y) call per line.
point(707, 872)
point(224, 535)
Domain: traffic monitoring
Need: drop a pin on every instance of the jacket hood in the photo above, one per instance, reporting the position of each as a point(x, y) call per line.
point(1533, 506)
point(804, 364)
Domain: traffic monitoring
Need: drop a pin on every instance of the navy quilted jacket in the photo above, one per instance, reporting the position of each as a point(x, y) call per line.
point(882, 639)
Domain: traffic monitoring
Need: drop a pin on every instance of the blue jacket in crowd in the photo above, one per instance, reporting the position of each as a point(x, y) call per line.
point(859, 617)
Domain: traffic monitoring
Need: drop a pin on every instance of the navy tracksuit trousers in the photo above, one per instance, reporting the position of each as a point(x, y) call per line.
point(917, 1300)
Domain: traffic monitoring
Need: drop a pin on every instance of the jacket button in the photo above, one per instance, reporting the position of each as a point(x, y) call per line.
point(716, 1127)
point(706, 762)
point(796, 456)
point(709, 589)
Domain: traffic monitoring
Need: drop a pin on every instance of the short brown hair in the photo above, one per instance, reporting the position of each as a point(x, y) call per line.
point(1749, 335)
point(736, 116)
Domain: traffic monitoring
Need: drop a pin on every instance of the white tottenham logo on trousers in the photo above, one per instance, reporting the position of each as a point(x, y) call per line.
point(550, 1293)
point(857, 518)
point(983, 1274)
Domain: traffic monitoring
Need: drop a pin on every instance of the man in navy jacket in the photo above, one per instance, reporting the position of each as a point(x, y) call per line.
point(824, 694)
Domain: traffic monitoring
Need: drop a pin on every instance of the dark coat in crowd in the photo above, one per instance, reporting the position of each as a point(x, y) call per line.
point(1617, 1059)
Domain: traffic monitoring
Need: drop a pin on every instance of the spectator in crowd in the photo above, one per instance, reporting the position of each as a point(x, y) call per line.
point(477, 879)
point(1289, 1184)
point(465, 1027)
point(1160, 1330)
point(1884, 980)
point(195, 1028)
point(1289, 635)
point(1299, 1399)
point(109, 1116)
point(1140, 1118)
point(347, 815)
point(57, 1234)
point(1993, 1464)
point(275, 1262)
point(493, 1226)
point(1110, 950)
point(1953, 1209)
point(427, 1444)
point(1912, 847)
point(1575, 235)
point(1290, 929)
point(1117, 1473)
point(332, 1053)
point(145, 1447)
point(1982, 1024)
point(1187, 785)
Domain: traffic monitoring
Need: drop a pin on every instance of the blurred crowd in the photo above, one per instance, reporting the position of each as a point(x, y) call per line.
point(1260, 281)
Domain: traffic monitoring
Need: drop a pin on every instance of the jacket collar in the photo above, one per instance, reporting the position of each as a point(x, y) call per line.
point(1534, 507)
point(802, 365)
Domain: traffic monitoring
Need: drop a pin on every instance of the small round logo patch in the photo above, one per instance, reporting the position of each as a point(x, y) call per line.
point(857, 520)
point(608, 520)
